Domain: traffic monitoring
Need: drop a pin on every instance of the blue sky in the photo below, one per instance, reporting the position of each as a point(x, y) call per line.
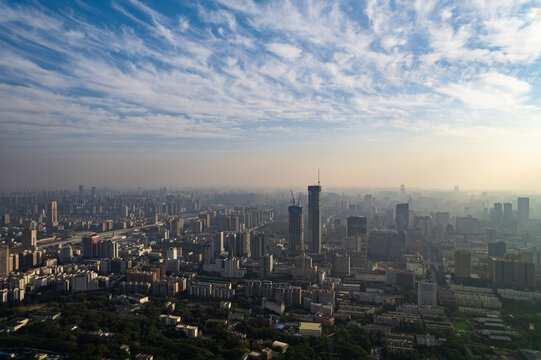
point(203, 83)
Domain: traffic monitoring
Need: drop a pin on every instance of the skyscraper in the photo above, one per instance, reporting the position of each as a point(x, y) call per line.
point(296, 230)
point(523, 212)
point(4, 260)
point(356, 234)
point(402, 217)
point(497, 215)
point(81, 190)
point(30, 239)
point(427, 293)
point(462, 263)
point(356, 226)
point(90, 246)
point(52, 215)
point(314, 218)
point(107, 249)
point(507, 211)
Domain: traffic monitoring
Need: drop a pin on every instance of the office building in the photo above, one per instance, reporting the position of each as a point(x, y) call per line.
point(512, 272)
point(266, 266)
point(462, 263)
point(341, 265)
point(507, 213)
point(81, 190)
point(497, 249)
point(4, 260)
point(386, 244)
point(108, 249)
point(257, 246)
point(314, 218)
point(523, 212)
point(356, 226)
point(402, 217)
point(30, 239)
point(497, 215)
point(427, 293)
point(90, 246)
point(296, 230)
point(52, 214)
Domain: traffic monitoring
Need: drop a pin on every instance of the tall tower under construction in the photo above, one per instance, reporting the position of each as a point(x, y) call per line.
point(296, 228)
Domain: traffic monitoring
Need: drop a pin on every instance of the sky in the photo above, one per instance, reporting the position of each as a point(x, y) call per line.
point(132, 93)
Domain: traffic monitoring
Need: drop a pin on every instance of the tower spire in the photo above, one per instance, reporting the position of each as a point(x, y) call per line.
point(318, 183)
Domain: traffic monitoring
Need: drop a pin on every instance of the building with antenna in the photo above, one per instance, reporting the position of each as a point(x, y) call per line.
point(314, 217)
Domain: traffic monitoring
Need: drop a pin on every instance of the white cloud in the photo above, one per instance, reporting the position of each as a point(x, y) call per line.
point(286, 51)
point(330, 69)
point(490, 91)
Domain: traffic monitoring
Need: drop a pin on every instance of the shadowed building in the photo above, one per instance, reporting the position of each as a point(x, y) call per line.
point(296, 230)
point(30, 239)
point(314, 218)
point(523, 212)
point(462, 263)
point(402, 217)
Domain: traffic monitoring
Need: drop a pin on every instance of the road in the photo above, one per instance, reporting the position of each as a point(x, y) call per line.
point(76, 238)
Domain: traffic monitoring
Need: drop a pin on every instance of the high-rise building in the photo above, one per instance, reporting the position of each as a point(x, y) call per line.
point(356, 226)
point(108, 249)
point(176, 226)
point(497, 215)
point(81, 190)
point(257, 246)
point(5, 219)
point(93, 192)
point(427, 293)
point(243, 240)
point(171, 254)
point(462, 263)
point(90, 246)
point(218, 244)
point(4, 260)
point(124, 211)
point(30, 239)
point(314, 218)
point(512, 271)
point(356, 238)
point(497, 249)
point(402, 217)
point(205, 217)
point(266, 266)
point(296, 230)
point(52, 215)
point(507, 213)
point(523, 212)
point(341, 265)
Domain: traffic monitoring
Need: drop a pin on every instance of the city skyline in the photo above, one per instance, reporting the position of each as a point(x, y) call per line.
point(133, 94)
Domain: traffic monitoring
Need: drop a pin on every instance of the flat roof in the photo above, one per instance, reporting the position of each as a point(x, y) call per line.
point(309, 326)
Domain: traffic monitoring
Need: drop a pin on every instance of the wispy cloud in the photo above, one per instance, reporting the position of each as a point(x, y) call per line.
point(272, 70)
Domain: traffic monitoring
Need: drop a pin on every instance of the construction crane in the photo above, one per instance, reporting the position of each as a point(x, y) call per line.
point(298, 202)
